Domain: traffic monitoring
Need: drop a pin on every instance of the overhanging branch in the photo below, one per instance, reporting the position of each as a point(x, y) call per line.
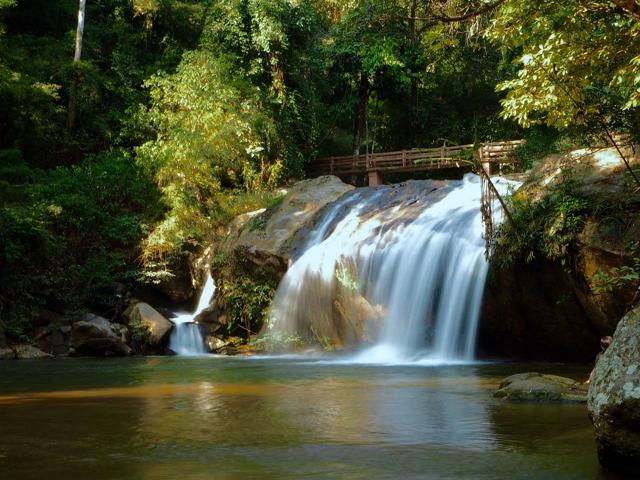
point(434, 17)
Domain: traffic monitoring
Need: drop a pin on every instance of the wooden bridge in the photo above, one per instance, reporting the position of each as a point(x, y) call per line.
point(375, 165)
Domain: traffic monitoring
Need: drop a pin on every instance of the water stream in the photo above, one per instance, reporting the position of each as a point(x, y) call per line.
point(186, 338)
point(397, 270)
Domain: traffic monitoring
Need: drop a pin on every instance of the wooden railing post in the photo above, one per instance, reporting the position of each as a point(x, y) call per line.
point(415, 160)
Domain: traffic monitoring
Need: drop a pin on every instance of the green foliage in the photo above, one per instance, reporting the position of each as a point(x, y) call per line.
point(346, 278)
point(259, 222)
point(140, 334)
point(545, 228)
point(248, 293)
point(235, 116)
point(619, 277)
point(68, 235)
point(570, 67)
point(275, 341)
point(543, 141)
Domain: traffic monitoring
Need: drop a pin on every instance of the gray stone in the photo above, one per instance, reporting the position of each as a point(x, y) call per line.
point(7, 353)
point(537, 387)
point(96, 336)
point(614, 398)
point(157, 325)
point(29, 352)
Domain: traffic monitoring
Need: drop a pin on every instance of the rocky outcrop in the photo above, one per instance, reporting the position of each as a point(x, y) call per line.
point(29, 352)
point(22, 351)
point(256, 253)
point(145, 317)
point(53, 339)
point(212, 318)
point(181, 286)
point(614, 398)
point(537, 387)
point(7, 353)
point(267, 238)
point(552, 310)
point(96, 336)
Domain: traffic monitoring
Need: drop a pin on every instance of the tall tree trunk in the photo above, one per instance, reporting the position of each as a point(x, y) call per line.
point(71, 113)
point(361, 114)
point(414, 73)
point(80, 30)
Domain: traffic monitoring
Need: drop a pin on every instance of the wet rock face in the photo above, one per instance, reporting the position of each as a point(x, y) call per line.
point(267, 242)
point(181, 287)
point(96, 336)
point(156, 324)
point(614, 398)
point(536, 387)
point(533, 312)
point(548, 311)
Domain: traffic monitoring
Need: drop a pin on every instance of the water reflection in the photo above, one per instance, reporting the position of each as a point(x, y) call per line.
point(214, 418)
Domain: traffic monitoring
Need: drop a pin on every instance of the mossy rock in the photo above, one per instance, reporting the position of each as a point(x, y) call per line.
point(537, 387)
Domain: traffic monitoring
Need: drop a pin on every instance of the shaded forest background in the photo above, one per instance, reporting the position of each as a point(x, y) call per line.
point(182, 114)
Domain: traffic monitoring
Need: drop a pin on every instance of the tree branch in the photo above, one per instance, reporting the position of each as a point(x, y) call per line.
point(629, 6)
point(433, 17)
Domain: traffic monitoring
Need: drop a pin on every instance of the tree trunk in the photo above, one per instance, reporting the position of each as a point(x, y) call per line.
point(361, 114)
point(71, 113)
point(80, 30)
point(414, 74)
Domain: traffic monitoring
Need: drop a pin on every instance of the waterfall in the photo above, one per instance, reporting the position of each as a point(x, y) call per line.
point(395, 271)
point(186, 338)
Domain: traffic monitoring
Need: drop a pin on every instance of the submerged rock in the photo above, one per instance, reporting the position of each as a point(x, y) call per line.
point(614, 398)
point(96, 336)
point(157, 325)
point(537, 387)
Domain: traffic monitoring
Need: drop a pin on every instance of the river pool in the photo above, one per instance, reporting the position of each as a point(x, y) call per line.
point(231, 418)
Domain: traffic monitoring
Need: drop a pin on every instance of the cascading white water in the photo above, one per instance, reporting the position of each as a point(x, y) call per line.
point(186, 338)
point(405, 276)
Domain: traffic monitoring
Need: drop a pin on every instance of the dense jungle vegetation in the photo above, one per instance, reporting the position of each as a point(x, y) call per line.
point(179, 114)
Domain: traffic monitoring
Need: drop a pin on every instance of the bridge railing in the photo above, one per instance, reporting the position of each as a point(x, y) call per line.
point(416, 159)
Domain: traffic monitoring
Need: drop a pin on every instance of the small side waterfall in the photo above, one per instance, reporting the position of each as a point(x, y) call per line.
point(399, 271)
point(186, 338)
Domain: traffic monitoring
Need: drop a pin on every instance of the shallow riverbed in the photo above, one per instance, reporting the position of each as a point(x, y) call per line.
point(201, 418)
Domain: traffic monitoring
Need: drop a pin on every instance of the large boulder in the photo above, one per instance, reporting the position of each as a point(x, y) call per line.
point(537, 387)
point(212, 318)
point(52, 339)
point(145, 316)
point(267, 237)
point(614, 398)
point(96, 336)
point(553, 310)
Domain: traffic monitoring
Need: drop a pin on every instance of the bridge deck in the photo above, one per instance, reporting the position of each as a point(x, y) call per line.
point(417, 160)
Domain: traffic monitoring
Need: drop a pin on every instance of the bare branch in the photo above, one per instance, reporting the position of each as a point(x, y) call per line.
point(434, 17)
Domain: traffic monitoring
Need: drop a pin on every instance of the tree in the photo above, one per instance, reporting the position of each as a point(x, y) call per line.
point(73, 90)
point(571, 67)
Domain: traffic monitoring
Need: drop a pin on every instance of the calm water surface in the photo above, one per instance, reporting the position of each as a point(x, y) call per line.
point(201, 418)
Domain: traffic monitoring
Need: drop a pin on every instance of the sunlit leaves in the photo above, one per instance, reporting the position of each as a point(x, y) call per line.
point(577, 58)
